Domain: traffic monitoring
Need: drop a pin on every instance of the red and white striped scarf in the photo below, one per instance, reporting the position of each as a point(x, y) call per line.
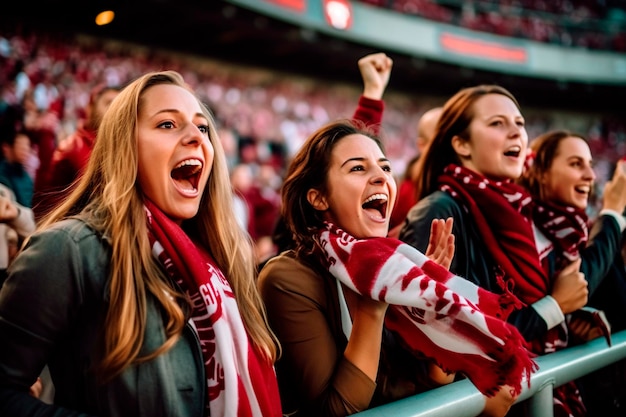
point(567, 229)
point(565, 226)
point(240, 380)
point(502, 211)
point(434, 312)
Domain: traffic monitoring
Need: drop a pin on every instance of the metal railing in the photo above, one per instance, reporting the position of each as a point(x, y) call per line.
point(462, 399)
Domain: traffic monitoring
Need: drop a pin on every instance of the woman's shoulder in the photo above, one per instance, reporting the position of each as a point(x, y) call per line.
point(74, 228)
point(69, 233)
point(436, 205)
point(289, 273)
point(285, 266)
point(438, 198)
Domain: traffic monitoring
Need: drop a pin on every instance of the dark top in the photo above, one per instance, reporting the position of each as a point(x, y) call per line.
point(14, 176)
point(52, 311)
point(472, 258)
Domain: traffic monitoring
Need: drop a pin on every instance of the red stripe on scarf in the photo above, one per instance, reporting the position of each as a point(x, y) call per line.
point(501, 211)
point(193, 269)
point(431, 318)
point(565, 226)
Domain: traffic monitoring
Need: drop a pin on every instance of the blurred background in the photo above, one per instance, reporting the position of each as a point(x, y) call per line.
point(274, 70)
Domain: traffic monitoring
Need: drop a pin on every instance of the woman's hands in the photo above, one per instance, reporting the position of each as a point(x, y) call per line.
point(8, 210)
point(614, 195)
point(364, 344)
point(439, 376)
point(570, 288)
point(500, 404)
point(584, 330)
point(37, 388)
point(375, 70)
point(441, 242)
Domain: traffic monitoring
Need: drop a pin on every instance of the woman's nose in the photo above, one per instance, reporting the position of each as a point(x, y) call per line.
point(193, 135)
point(379, 176)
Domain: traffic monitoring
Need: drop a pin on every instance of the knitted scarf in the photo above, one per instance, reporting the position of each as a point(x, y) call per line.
point(434, 312)
point(565, 226)
point(240, 380)
point(503, 213)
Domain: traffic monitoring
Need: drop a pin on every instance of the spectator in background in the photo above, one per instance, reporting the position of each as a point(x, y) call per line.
point(265, 200)
point(138, 290)
point(241, 181)
point(16, 223)
point(16, 149)
point(71, 154)
point(42, 125)
point(560, 178)
point(406, 191)
point(469, 173)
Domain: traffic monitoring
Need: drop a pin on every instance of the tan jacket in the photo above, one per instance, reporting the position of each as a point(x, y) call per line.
point(314, 377)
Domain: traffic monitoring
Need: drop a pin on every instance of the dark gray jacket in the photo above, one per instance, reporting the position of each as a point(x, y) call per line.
point(52, 311)
point(472, 259)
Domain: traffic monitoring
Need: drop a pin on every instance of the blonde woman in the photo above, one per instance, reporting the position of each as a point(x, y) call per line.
point(138, 290)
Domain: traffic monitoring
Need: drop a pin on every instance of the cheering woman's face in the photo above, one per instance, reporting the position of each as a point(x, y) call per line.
point(361, 188)
point(497, 141)
point(175, 153)
point(570, 177)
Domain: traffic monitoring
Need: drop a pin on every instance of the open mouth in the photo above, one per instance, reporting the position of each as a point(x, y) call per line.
point(583, 189)
point(376, 204)
point(514, 151)
point(187, 174)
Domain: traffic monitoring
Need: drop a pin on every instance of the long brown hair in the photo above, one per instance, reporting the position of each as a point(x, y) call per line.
point(457, 114)
point(109, 199)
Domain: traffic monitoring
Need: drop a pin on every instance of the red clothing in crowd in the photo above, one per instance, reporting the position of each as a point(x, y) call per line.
point(405, 199)
point(66, 165)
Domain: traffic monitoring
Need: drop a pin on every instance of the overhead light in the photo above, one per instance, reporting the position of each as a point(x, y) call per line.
point(105, 17)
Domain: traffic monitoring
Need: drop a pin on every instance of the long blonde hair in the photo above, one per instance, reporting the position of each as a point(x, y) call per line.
point(109, 199)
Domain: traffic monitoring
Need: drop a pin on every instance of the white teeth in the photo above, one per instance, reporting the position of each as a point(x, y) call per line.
point(375, 197)
point(515, 149)
point(187, 162)
point(583, 189)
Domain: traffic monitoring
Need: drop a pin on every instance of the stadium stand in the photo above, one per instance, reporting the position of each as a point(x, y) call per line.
point(271, 83)
point(585, 23)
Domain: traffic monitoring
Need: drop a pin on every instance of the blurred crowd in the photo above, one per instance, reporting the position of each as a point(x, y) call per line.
point(578, 23)
point(263, 115)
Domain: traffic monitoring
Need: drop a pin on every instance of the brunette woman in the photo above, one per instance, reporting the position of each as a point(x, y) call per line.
point(328, 298)
point(468, 173)
point(560, 177)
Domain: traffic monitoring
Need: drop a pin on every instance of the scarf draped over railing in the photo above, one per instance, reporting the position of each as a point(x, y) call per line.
point(503, 212)
point(434, 313)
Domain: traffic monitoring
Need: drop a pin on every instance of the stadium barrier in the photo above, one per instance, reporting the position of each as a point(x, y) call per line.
point(462, 399)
